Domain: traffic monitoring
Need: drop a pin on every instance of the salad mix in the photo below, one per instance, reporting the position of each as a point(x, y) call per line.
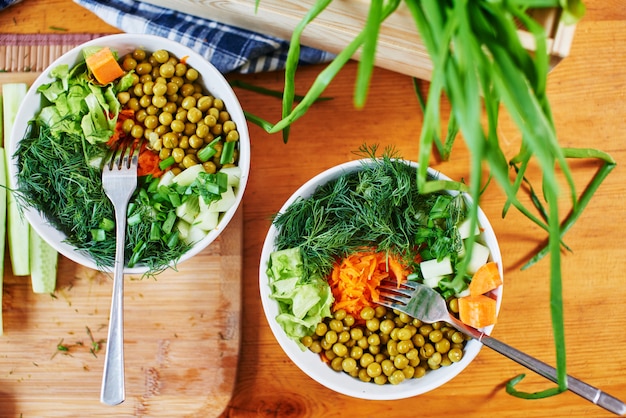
point(334, 248)
point(188, 153)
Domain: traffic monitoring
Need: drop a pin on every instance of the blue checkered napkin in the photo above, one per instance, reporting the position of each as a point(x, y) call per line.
point(6, 3)
point(228, 48)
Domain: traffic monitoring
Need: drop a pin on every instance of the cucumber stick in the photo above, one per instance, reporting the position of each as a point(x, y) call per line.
point(43, 264)
point(17, 227)
point(3, 216)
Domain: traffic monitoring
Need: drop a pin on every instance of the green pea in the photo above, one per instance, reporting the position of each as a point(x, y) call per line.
point(336, 364)
point(349, 365)
point(165, 118)
point(388, 367)
point(321, 329)
point(143, 68)
point(151, 121)
point(400, 361)
point(373, 339)
point(380, 380)
point(396, 377)
point(340, 349)
point(442, 346)
point(366, 359)
point(409, 372)
point(404, 347)
point(386, 326)
point(363, 376)
point(192, 74)
point(434, 361)
point(159, 89)
point(139, 54)
point(435, 336)
point(372, 324)
point(331, 337)
point(161, 56)
point(344, 336)
point(374, 369)
point(306, 341)
point(455, 355)
point(166, 70)
point(356, 352)
point(367, 313)
point(419, 372)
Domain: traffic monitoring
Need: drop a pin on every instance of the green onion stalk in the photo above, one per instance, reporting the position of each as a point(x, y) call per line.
point(480, 66)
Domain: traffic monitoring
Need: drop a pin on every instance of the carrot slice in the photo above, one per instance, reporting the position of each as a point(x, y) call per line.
point(486, 278)
point(104, 66)
point(354, 280)
point(477, 310)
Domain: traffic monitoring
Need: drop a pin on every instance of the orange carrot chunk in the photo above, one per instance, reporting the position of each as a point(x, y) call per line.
point(103, 66)
point(486, 278)
point(477, 310)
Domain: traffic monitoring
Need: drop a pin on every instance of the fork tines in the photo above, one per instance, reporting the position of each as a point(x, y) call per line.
point(393, 295)
point(405, 287)
point(121, 154)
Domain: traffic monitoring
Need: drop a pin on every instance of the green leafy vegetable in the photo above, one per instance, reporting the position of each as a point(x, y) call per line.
point(76, 106)
point(480, 65)
point(378, 206)
point(303, 301)
point(60, 176)
point(60, 166)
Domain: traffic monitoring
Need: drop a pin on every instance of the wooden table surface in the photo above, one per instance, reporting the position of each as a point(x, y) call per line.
point(588, 96)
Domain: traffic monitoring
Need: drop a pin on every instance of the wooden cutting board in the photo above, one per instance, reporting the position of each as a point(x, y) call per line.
point(182, 335)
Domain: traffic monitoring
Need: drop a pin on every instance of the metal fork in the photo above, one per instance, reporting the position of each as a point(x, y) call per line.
point(422, 302)
point(119, 181)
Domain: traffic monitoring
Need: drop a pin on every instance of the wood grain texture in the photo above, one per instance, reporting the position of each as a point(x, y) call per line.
point(51, 16)
point(399, 49)
point(587, 91)
point(182, 339)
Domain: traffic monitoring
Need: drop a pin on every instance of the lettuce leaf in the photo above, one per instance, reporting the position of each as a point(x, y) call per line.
point(302, 301)
point(74, 105)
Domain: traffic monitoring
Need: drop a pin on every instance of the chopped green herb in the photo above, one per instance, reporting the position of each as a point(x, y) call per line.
point(487, 68)
point(379, 205)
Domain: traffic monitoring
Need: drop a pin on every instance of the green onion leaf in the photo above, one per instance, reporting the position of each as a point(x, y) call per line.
point(163, 164)
point(98, 235)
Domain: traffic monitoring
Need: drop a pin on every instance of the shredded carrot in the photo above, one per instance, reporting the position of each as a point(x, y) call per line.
point(354, 280)
point(148, 163)
point(118, 132)
point(103, 66)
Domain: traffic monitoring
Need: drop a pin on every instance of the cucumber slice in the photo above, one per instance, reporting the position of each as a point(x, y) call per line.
point(17, 226)
point(43, 264)
point(3, 219)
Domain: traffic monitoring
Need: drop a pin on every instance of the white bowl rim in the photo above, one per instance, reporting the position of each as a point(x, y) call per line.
point(310, 363)
point(125, 42)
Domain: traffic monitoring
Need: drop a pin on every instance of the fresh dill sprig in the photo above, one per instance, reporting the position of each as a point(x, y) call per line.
point(378, 206)
point(57, 177)
point(60, 176)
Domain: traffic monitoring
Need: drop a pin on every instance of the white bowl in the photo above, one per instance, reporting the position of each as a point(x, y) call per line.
point(213, 81)
point(311, 363)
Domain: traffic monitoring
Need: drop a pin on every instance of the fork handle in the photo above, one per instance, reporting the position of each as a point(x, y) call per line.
point(113, 391)
point(592, 394)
